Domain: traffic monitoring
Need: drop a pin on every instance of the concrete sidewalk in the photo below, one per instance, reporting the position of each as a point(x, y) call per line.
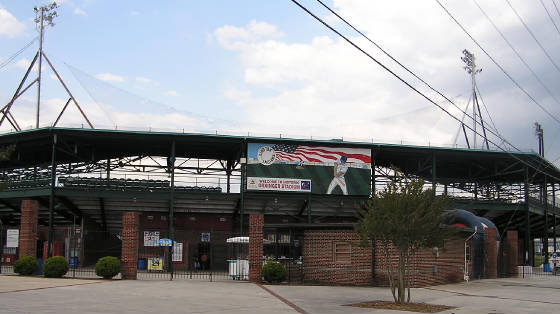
point(41, 295)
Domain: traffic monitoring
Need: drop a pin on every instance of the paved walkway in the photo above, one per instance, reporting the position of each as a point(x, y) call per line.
point(42, 295)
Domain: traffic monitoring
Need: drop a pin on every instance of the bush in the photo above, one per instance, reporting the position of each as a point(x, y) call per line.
point(107, 267)
point(26, 265)
point(55, 267)
point(274, 272)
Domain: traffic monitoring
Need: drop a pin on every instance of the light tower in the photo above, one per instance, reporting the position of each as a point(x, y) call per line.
point(42, 15)
point(470, 66)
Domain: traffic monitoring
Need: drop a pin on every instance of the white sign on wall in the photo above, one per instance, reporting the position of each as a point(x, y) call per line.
point(151, 238)
point(12, 238)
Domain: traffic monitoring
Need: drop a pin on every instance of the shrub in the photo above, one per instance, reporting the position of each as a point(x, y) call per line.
point(274, 272)
point(107, 267)
point(55, 267)
point(26, 265)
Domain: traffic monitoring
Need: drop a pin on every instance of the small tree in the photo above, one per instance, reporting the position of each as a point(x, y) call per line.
point(405, 217)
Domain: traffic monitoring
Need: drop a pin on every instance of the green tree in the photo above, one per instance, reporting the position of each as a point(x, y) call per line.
point(404, 217)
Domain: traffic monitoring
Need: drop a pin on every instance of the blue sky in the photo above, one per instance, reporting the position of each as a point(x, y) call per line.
point(266, 67)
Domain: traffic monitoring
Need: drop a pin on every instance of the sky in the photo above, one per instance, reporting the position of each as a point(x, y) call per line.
point(267, 68)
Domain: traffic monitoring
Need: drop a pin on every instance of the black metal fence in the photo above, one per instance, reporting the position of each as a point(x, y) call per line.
point(213, 255)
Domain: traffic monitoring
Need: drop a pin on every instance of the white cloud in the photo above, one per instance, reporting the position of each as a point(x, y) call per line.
point(134, 13)
point(9, 25)
point(23, 63)
point(325, 86)
point(109, 77)
point(232, 37)
point(79, 11)
point(145, 80)
point(171, 93)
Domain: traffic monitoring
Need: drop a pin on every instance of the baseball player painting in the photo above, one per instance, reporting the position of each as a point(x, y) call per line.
point(340, 168)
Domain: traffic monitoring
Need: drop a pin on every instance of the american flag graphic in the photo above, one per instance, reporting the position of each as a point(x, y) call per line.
point(302, 153)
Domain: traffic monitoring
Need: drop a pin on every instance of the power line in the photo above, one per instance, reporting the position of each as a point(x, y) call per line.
point(550, 16)
point(517, 53)
point(556, 7)
point(11, 58)
point(532, 35)
point(497, 64)
point(536, 168)
point(401, 65)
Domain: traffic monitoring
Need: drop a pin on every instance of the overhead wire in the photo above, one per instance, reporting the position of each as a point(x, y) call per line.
point(15, 55)
point(497, 64)
point(400, 63)
point(550, 17)
point(532, 35)
point(536, 168)
point(517, 53)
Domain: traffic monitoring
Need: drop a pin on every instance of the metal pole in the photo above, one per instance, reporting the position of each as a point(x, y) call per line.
point(309, 209)
point(434, 177)
point(372, 174)
point(545, 238)
point(39, 68)
point(171, 206)
point(554, 211)
point(243, 162)
point(527, 219)
point(51, 197)
point(228, 174)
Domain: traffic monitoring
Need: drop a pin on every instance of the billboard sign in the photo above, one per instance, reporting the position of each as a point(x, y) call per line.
point(308, 169)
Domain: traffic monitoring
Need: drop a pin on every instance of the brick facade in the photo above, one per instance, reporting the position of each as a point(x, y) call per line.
point(428, 266)
point(28, 228)
point(256, 223)
point(511, 253)
point(321, 265)
point(491, 252)
point(129, 255)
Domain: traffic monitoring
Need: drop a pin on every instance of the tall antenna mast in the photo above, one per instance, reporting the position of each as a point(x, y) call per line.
point(470, 66)
point(42, 16)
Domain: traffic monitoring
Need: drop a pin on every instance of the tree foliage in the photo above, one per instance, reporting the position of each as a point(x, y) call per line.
point(404, 217)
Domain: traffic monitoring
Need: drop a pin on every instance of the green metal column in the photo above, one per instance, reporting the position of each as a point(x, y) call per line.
point(545, 236)
point(554, 211)
point(171, 165)
point(50, 235)
point(528, 243)
point(243, 163)
point(309, 209)
point(434, 176)
point(372, 173)
point(228, 175)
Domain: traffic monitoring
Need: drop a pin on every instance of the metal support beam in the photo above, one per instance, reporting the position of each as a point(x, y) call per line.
point(553, 206)
point(51, 198)
point(243, 163)
point(103, 217)
point(434, 175)
point(528, 242)
point(171, 165)
point(545, 233)
point(372, 173)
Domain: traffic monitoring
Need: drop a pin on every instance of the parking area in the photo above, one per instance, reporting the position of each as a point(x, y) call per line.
point(41, 295)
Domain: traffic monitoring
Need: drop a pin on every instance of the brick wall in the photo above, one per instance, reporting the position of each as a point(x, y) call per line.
point(428, 266)
point(28, 228)
point(491, 250)
point(511, 253)
point(256, 223)
point(320, 264)
point(129, 255)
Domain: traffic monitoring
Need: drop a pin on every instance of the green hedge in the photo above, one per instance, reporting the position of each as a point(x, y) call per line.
point(55, 267)
point(26, 265)
point(107, 267)
point(274, 272)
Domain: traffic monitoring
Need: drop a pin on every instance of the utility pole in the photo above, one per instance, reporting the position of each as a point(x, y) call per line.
point(470, 66)
point(42, 16)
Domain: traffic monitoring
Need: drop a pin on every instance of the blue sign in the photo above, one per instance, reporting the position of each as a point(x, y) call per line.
point(165, 242)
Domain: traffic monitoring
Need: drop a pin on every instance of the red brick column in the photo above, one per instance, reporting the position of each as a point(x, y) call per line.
point(129, 254)
point(28, 228)
point(511, 249)
point(490, 246)
point(256, 223)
